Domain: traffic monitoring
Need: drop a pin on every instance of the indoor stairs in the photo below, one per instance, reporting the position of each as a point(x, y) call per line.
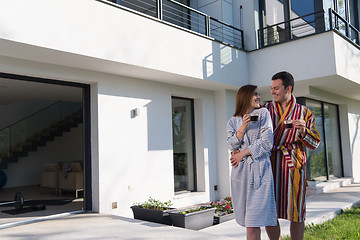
point(40, 139)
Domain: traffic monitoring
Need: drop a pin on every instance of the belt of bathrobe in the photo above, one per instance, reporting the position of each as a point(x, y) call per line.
point(286, 146)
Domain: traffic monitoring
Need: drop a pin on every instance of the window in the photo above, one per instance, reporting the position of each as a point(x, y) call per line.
point(326, 161)
point(333, 140)
point(354, 13)
point(183, 144)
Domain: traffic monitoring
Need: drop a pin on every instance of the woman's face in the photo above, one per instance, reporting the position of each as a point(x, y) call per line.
point(255, 100)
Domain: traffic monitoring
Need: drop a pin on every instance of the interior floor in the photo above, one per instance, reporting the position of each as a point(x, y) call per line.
point(67, 203)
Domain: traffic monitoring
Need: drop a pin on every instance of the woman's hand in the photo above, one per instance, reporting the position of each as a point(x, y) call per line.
point(246, 121)
point(236, 158)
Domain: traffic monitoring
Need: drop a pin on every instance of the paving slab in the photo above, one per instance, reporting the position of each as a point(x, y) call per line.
point(320, 208)
point(100, 226)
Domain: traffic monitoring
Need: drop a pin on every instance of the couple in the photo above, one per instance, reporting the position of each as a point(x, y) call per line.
point(268, 174)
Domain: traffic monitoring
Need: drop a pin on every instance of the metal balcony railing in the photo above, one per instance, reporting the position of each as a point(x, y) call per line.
point(339, 24)
point(306, 25)
point(289, 30)
point(187, 18)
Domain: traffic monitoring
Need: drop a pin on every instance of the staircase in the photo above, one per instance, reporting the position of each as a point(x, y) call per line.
point(319, 187)
point(40, 139)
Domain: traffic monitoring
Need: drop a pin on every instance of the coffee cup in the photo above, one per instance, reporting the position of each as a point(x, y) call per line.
point(288, 124)
point(254, 117)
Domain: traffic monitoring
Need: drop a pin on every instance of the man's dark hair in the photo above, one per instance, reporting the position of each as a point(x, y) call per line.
point(286, 78)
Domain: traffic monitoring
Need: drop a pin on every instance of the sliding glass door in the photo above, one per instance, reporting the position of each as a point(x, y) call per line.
point(325, 162)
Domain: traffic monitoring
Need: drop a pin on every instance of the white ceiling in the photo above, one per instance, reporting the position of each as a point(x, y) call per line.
point(12, 91)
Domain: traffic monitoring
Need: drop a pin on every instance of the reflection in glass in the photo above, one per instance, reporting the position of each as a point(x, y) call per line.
point(183, 144)
point(354, 15)
point(333, 140)
point(327, 5)
point(305, 25)
point(316, 158)
point(301, 7)
point(342, 12)
point(326, 161)
point(272, 12)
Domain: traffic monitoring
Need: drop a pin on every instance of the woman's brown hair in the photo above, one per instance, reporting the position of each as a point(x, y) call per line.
point(243, 99)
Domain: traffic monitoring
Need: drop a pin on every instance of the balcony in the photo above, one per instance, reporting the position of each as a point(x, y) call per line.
point(186, 18)
point(307, 25)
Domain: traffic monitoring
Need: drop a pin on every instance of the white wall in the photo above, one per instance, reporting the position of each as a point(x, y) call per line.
point(135, 154)
point(223, 114)
point(354, 135)
point(294, 57)
point(347, 59)
point(109, 39)
point(132, 157)
point(27, 171)
point(249, 19)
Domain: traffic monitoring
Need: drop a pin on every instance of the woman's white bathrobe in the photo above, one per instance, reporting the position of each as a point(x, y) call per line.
point(252, 184)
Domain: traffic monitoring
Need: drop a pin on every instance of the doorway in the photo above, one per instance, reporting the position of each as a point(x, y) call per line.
point(45, 152)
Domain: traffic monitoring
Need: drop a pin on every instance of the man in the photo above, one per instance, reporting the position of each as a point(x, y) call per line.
point(288, 154)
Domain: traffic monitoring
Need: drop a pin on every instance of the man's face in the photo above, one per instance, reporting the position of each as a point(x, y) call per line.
point(278, 91)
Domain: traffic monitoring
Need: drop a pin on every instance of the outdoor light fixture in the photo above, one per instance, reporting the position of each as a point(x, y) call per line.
point(135, 112)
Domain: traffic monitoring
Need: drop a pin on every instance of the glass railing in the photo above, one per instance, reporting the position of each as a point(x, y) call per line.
point(18, 133)
point(187, 18)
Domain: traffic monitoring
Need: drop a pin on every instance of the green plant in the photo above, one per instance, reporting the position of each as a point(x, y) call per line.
point(191, 210)
point(151, 203)
point(223, 206)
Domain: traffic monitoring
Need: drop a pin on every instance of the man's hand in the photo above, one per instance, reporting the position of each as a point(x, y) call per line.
point(301, 126)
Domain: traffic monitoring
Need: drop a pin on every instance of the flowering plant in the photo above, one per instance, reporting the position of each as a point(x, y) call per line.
point(154, 204)
point(223, 207)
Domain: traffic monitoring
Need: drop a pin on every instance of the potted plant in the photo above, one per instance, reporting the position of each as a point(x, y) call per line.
point(153, 211)
point(193, 218)
point(224, 210)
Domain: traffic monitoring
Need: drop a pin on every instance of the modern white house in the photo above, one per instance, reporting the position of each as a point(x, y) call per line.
point(156, 80)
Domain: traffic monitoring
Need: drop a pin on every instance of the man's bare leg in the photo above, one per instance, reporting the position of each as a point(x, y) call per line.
point(273, 232)
point(297, 230)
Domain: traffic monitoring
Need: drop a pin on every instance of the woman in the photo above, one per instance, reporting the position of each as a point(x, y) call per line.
point(250, 143)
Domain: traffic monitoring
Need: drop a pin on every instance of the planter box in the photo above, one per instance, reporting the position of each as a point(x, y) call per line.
point(195, 220)
point(151, 215)
point(223, 218)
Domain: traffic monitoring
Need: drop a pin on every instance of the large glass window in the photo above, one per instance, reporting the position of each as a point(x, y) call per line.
point(316, 162)
point(327, 5)
point(272, 12)
point(326, 161)
point(354, 13)
point(312, 17)
point(183, 144)
point(301, 7)
point(332, 138)
point(283, 20)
